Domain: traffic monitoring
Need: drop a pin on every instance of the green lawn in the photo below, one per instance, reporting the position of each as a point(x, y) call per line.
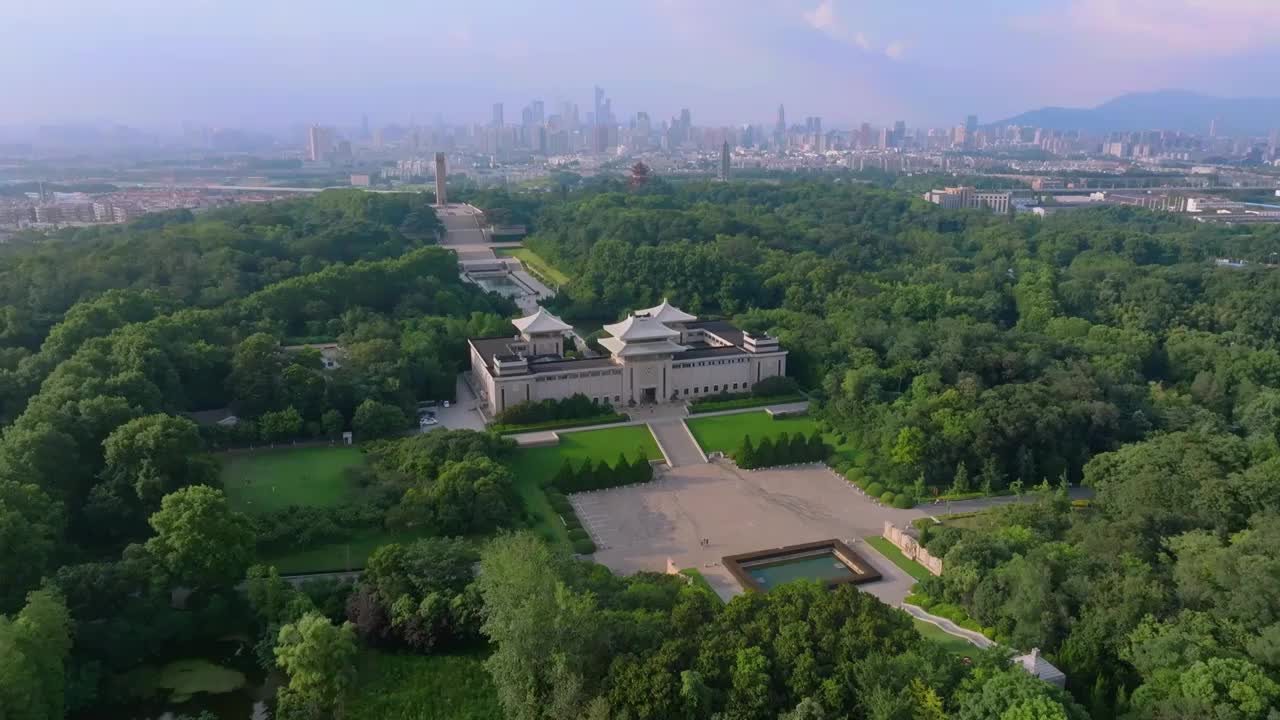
point(887, 549)
point(534, 467)
point(725, 432)
point(422, 687)
point(350, 555)
point(700, 581)
point(267, 480)
point(535, 262)
point(957, 645)
point(970, 521)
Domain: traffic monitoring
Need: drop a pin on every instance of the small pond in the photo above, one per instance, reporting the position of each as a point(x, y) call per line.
point(221, 678)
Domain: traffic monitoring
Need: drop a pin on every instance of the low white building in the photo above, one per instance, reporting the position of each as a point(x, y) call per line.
point(659, 354)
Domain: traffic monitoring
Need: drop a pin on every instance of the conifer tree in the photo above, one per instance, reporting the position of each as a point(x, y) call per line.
point(765, 455)
point(818, 450)
point(745, 455)
point(960, 484)
point(566, 478)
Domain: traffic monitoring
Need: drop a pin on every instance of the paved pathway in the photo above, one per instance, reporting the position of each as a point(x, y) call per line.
point(947, 626)
point(461, 225)
point(461, 413)
point(678, 446)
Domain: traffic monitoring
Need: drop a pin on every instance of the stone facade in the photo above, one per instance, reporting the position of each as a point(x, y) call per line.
point(656, 355)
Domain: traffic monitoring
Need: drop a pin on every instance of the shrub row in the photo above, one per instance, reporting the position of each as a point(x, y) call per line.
point(901, 500)
point(589, 476)
point(578, 535)
point(785, 450)
point(559, 424)
point(733, 402)
point(574, 407)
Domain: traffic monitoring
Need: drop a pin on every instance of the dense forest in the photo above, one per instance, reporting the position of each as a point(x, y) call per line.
point(963, 353)
point(948, 352)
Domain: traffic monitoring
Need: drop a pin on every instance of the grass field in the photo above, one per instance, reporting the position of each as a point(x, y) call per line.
point(970, 521)
point(887, 549)
point(534, 467)
point(535, 262)
point(422, 687)
point(725, 432)
point(957, 645)
point(349, 555)
point(267, 480)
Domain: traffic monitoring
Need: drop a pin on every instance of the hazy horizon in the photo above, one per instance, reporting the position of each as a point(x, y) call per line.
point(151, 63)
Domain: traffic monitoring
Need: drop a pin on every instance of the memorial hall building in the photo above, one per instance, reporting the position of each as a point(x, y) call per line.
point(660, 354)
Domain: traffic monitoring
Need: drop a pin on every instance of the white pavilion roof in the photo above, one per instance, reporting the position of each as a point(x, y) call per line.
point(639, 329)
point(620, 348)
point(667, 313)
point(541, 322)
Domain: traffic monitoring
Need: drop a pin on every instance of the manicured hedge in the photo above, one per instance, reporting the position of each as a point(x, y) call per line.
point(560, 424)
point(574, 407)
point(578, 535)
point(716, 403)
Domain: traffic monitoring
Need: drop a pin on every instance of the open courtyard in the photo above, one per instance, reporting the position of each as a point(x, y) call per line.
point(736, 511)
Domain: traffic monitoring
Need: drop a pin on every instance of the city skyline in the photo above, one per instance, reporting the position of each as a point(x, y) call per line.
point(237, 64)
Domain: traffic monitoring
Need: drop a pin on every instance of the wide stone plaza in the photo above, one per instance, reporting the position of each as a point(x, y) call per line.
point(639, 527)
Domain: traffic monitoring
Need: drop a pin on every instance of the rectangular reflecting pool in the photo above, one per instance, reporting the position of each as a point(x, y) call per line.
point(830, 561)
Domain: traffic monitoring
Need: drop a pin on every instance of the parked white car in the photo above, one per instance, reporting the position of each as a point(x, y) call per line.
point(428, 421)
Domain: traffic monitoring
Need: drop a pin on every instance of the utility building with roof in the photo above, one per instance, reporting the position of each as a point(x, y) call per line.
point(659, 354)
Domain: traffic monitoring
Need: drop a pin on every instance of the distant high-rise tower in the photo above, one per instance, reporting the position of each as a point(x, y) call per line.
point(539, 112)
point(319, 143)
point(598, 106)
point(724, 161)
point(441, 174)
point(971, 124)
point(1213, 128)
point(780, 129)
point(899, 132)
point(1273, 145)
point(497, 115)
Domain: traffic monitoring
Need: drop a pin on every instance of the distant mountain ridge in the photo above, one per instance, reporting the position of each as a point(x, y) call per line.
point(1160, 110)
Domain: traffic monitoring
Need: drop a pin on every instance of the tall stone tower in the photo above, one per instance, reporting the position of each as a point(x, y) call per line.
point(441, 174)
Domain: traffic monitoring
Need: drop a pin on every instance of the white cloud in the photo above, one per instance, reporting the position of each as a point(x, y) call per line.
point(823, 19)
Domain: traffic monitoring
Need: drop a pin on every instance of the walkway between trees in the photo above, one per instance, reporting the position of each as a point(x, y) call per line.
point(948, 627)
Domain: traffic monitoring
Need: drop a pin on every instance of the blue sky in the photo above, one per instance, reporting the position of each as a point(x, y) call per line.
point(275, 62)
